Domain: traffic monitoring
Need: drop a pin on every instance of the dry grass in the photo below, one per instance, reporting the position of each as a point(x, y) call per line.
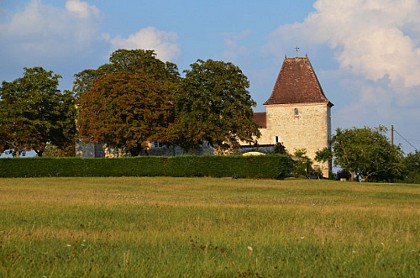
point(167, 227)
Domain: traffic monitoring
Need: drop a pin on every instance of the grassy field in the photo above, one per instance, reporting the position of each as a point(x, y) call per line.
point(205, 227)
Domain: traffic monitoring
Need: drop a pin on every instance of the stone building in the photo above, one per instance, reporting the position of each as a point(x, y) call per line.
point(298, 114)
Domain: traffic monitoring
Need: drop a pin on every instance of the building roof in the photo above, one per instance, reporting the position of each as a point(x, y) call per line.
point(297, 83)
point(260, 119)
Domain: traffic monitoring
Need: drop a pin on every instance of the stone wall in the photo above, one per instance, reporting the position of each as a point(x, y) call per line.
point(90, 150)
point(299, 126)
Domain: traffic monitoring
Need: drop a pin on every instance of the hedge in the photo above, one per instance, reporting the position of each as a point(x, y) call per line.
point(270, 166)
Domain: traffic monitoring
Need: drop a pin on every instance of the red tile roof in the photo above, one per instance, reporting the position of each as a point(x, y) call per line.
point(260, 119)
point(297, 83)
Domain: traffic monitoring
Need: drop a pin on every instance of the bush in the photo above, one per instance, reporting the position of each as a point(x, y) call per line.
point(302, 164)
point(273, 166)
point(343, 174)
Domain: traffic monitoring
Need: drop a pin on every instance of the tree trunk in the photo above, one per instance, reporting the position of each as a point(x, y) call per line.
point(352, 174)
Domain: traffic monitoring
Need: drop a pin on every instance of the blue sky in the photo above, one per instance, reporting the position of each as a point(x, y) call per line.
point(366, 53)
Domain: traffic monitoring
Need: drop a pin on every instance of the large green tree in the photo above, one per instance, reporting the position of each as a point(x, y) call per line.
point(34, 113)
point(124, 110)
point(128, 101)
point(215, 106)
point(367, 153)
point(138, 61)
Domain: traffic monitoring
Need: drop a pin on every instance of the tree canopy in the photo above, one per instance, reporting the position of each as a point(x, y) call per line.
point(124, 110)
point(128, 101)
point(367, 153)
point(34, 113)
point(214, 106)
point(137, 97)
point(412, 167)
point(140, 62)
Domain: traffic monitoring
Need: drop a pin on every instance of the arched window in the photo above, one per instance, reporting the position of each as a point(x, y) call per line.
point(296, 112)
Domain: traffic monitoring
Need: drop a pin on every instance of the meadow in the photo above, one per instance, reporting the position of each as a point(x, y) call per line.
point(207, 227)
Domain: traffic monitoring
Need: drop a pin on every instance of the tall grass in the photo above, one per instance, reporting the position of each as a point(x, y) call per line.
point(204, 227)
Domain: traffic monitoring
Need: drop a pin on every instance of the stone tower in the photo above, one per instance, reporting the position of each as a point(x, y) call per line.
point(298, 114)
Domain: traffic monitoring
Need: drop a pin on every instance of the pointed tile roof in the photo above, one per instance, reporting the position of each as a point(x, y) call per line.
point(297, 83)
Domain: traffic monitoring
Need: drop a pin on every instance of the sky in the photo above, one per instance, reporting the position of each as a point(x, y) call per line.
point(366, 53)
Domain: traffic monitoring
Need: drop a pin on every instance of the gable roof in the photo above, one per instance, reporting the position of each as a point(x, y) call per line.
point(297, 83)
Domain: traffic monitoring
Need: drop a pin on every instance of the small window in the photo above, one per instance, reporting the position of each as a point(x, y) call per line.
point(296, 112)
point(277, 139)
point(156, 144)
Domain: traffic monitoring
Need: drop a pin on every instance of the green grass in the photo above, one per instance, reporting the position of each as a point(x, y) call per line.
point(206, 227)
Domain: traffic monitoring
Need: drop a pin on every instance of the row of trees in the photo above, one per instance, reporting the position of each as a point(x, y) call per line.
point(133, 99)
point(136, 98)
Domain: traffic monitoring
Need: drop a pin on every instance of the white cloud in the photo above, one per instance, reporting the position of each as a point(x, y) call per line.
point(149, 38)
point(81, 9)
point(41, 32)
point(372, 38)
point(376, 44)
point(376, 40)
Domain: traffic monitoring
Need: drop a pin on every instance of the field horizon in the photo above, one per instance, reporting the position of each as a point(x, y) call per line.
point(189, 227)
